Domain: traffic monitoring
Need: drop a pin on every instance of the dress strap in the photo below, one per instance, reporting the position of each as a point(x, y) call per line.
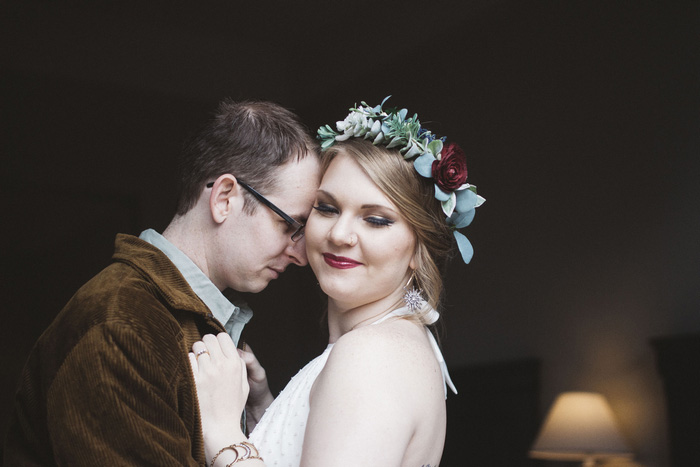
point(441, 360)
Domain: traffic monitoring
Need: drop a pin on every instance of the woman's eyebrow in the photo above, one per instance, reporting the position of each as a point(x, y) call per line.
point(374, 206)
point(324, 192)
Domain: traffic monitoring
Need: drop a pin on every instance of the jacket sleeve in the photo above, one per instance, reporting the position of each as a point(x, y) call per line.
point(117, 400)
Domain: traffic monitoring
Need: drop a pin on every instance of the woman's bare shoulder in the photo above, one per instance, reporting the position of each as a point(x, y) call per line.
point(386, 374)
point(395, 352)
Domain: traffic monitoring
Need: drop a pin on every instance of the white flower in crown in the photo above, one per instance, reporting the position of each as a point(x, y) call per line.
point(355, 125)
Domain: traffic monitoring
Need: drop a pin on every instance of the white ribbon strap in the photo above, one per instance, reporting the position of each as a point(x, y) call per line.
point(443, 366)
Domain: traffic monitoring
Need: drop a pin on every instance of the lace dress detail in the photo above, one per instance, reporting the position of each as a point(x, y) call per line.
point(279, 436)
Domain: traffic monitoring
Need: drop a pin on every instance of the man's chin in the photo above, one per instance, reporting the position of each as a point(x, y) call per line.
point(261, 282)
point(259, 287)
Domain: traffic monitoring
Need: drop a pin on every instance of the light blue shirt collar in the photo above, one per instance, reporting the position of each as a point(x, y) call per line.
point(234, 317)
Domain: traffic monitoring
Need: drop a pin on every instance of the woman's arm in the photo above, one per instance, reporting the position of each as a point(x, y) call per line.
point(361, 412)
point(222, 390)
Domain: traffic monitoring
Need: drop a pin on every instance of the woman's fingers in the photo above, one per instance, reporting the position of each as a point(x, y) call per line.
point(216, 356)
point(217, 353)
point(200, 349)
point(219, 345)
point(227, 345)
point(212, 345)
point(194, 365)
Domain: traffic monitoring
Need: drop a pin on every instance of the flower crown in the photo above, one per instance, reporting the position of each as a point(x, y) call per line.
point(432, 158)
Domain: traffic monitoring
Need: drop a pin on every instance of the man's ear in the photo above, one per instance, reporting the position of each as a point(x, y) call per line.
point(225, 198)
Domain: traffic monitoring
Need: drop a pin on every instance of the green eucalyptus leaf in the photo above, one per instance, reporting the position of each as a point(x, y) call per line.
point(443, 195)
point(413, 151)
point(424, 165)
point(466, 200)
point(461, 219)
point(464, 246)
point(448, 206)
point(435, 146)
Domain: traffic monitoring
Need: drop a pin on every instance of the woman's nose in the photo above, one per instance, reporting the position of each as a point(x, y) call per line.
point(342, 233)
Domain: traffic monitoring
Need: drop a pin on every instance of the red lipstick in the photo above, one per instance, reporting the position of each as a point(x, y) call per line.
point(340, 262)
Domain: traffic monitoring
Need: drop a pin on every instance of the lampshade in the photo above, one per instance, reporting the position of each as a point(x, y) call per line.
point(580, 426)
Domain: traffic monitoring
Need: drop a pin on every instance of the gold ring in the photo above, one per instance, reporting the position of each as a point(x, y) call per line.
point(201, 352)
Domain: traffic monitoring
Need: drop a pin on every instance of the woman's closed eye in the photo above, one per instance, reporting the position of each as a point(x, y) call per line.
point(378, 221)
point(374, 220)
point(325, 209)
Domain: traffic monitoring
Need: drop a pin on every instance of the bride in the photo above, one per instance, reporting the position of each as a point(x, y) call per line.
point(388, 208)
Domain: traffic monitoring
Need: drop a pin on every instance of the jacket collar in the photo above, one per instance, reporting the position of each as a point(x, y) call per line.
point(160, 271)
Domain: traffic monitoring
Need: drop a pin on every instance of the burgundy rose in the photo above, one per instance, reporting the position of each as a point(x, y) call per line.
point(450, 172)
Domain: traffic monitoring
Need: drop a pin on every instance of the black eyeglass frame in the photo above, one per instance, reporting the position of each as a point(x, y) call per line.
point(298, 226)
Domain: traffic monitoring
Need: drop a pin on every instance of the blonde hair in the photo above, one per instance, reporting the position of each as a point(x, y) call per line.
point(414, 196)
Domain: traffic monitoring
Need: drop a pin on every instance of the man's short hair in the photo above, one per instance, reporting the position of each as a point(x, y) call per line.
point(247, 139)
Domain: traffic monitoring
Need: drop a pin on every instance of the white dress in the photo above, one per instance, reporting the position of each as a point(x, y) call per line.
point(279, 436)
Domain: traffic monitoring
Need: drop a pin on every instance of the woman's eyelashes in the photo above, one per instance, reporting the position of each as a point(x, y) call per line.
point(373, 220)
point(379, 221)
point(325, 209)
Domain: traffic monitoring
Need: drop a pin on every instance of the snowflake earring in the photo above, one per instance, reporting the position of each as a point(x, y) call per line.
point(412, 297)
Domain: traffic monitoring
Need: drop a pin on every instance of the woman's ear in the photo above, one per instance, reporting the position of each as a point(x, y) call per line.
point(225, 198)
point(415, 259)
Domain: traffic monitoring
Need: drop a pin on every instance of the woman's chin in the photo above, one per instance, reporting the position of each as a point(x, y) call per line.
point(334, 293)
point(339, 293)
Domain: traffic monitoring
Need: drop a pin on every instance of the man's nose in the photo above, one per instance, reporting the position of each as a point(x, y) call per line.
point(297, 252)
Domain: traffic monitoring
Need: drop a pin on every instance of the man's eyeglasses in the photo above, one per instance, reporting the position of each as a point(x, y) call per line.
point(293, 223)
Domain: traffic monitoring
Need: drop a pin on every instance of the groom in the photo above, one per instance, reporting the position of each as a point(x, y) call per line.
point(109, 382)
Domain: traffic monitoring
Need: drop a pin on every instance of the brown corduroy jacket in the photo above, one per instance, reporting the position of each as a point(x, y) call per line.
point(109, 382)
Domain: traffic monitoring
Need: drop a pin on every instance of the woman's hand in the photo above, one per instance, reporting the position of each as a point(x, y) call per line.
point(222, 390)
point(260, 396)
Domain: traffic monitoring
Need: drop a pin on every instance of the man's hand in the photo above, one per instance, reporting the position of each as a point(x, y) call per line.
point(260, 396)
